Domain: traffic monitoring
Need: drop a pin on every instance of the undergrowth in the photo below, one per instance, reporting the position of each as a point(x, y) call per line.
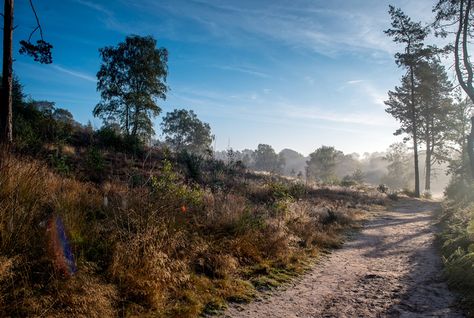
point(166, 244)
point(457, 240)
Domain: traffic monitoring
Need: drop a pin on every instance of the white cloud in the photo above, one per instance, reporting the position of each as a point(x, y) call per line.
point(244, 70)
point(356, 118)
point(366, 87)
point(292, 23)
point(80, 75)
point(354, 82)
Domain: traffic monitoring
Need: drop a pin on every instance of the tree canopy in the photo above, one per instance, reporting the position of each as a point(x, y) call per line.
point(322, 164)
point(267, 159)
point(130, 80)
point(184, 131)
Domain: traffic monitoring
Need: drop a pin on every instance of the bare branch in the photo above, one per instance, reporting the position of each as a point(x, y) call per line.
point(37, 21)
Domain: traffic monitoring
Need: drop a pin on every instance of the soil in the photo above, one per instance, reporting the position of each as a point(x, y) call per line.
point(390, 269)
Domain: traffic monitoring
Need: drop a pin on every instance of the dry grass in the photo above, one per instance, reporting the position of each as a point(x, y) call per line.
point(29, 193)
point(163, 248)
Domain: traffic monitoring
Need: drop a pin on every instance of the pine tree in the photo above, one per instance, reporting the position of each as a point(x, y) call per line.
point(403, 102)
point(434, 93)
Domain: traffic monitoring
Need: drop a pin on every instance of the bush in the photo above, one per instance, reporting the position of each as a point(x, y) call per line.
point(60, 163)
point(427, 195)
point(382, 188)
point(193, 165)
point(94, 165)
point(109, 138)
point(457, 240)
point(409, 193)
point(348, 181)
point(393, 196)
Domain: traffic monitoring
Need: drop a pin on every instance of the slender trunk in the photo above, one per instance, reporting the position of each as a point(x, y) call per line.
point(127, 120)
point(415, 133)
point(6, 130)
point(461, 41)
point(465, 53)
point(135, 121)
point(428, 164)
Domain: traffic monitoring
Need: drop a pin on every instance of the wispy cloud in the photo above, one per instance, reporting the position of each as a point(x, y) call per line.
point(367, 88)
point(354, 82)
point(80, 75)
point(328, 28)
point(242, 70)
point(95, 6)
point(292, 23)
point(315, 113)
point(108, 17)
point(258, 105)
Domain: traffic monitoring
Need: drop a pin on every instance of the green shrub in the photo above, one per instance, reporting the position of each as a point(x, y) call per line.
point(193, 165)
point(94, 164)
point(167, 187)
point(60, 163)
point(110, 138)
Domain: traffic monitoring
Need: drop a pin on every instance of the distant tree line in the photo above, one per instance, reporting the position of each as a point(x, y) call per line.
point(327, 165)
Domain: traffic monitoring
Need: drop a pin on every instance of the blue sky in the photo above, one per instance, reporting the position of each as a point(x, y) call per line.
point(293, 74)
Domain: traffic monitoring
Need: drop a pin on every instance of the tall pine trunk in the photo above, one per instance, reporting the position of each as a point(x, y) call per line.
point(6, 130)
point(414, 133)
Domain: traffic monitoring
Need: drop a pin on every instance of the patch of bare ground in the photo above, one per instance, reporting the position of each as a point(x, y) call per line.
point(390, 269)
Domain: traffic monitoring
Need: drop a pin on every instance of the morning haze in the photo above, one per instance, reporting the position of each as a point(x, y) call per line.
point(198, 158)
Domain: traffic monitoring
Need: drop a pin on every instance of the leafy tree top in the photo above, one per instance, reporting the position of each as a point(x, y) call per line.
point(132, 76)
point(184, 131)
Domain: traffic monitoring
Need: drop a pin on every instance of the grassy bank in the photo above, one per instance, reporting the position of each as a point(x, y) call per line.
point(158, 238)
point(457, 241)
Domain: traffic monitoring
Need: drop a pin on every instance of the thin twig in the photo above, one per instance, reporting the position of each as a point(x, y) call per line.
point(37, 22)
point(31, 34)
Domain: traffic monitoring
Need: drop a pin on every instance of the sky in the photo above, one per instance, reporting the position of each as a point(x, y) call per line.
point(293, 74)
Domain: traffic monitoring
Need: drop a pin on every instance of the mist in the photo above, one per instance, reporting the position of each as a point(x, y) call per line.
point(373, 165)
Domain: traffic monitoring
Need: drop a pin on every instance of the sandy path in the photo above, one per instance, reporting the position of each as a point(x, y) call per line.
point(391, 269)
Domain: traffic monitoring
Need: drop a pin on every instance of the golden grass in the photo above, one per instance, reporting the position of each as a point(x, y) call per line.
point(139, 252)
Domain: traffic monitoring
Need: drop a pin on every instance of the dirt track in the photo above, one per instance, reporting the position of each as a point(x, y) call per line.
point(390, 269)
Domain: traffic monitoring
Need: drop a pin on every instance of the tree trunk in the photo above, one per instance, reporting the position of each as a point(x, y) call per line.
point(470, 146)
point(415, 133)
point(428, 165)
point(134, 124)
point(6, 130)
